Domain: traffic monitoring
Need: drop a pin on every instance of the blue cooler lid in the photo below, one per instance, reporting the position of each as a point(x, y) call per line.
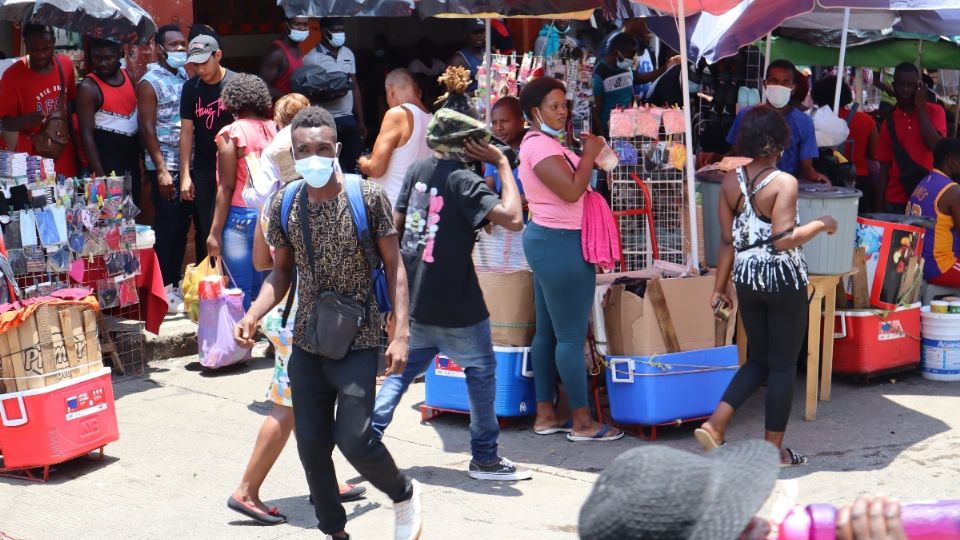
point(815, 190)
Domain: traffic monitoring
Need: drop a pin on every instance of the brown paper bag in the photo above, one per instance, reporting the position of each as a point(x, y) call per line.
point(509, 299)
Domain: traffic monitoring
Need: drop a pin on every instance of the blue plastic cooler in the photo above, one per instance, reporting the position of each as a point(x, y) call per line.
point(651, 390)
point(516, 396)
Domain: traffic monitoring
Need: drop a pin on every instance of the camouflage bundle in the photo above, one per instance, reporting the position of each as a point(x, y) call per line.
point(449, 130)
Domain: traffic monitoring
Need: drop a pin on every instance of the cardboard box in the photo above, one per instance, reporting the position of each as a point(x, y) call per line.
point(51, 346)
point(509, 299)
point(632, 327)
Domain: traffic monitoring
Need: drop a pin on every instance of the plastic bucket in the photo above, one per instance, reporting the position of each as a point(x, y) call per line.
point(829, 254)
point(710, 193)
point(940, 359)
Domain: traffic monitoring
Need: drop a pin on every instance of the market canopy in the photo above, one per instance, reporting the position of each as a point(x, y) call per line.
point(565, 9)
point(940, 54)
point(714, 37)
point(121, 20)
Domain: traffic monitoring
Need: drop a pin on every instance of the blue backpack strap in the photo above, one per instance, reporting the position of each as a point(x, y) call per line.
point(289, 192)
point(358, 207)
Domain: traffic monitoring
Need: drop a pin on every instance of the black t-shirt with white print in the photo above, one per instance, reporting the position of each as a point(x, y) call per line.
point(445, 204)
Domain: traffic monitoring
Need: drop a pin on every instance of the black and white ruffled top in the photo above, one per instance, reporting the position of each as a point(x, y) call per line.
point(758, 264)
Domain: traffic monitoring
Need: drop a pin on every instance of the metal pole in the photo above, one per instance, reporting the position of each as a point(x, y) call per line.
point(688, 133)
point(766, 62)
point(487, 62)
point(843, 58)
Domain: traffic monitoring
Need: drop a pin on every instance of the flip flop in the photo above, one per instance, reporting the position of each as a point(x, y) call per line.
point(600, 435)
point(706, 440)
point(796, 459)
point(273, 517)
point(566, 427)
point(352, 494)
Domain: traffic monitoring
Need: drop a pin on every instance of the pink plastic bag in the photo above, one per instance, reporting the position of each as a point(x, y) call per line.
point(218, 317)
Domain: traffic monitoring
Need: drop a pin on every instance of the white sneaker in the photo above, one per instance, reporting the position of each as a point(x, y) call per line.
point(408, 516)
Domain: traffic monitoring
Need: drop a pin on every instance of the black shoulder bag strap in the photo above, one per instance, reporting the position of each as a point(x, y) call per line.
point(65, 108)
point(904, 161)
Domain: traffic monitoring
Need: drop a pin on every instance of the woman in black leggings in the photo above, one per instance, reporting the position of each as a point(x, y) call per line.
point(760, 246)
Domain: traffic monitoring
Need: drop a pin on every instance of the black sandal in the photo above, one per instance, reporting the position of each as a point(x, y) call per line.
point(271, 517)
point(796, 459)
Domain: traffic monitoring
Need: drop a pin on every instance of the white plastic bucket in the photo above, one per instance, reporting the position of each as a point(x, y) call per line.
point(940, 359)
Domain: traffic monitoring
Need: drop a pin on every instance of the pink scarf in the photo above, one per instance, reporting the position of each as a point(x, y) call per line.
point(599, 237)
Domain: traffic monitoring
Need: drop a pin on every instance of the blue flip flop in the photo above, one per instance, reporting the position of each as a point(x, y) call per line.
point(566, 427)
point(600, 435)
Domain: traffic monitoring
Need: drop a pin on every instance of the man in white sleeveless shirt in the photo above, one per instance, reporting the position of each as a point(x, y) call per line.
point(402, 140)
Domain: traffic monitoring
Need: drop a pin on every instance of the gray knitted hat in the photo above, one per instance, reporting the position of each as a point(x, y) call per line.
point(658, 493)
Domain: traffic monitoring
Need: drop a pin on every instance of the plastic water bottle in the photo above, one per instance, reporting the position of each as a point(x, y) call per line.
point(921, 521)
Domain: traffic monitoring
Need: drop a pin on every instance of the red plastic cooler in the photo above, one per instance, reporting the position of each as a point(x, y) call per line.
point(874, 341)
point(50, 425)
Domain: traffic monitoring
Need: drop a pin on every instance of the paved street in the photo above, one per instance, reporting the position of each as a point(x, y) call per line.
point(186, 435)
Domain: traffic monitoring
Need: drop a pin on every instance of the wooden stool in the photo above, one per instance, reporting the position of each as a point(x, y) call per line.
point(823, 302)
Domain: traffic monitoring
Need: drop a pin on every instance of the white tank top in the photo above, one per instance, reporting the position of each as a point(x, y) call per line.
point(404, 156)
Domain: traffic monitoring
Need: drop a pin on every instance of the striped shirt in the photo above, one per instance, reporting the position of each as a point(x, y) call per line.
point(168, 87)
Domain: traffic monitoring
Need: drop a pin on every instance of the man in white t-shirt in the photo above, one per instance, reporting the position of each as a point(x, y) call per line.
point(332, 55)
point(402, 140)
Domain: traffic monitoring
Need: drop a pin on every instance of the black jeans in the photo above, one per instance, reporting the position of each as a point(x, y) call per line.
point(171, 225)
point(205, 197)
point(776, 323)
point(318, 384)
point(348, 135)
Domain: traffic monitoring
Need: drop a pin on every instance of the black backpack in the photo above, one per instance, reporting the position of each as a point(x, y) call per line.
point(320, 85)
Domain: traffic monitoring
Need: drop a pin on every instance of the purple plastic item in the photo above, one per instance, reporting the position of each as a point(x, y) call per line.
point(218, 317)
point(921, 521)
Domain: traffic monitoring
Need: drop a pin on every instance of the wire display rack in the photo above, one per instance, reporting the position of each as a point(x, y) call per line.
point(648, 201)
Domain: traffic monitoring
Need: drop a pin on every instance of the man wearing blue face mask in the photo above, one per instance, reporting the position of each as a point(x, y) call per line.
point(333, 398)
point(613, 80)
point(797, 158)
point(158, 101)
point(284, 56)
point(332, 54)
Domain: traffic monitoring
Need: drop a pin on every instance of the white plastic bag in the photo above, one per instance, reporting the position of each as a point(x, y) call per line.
point(831, 129)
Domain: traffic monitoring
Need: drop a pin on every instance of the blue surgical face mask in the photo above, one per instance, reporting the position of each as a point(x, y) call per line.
point(298, 35)
point(316, 170)
point(337, 39)
point(625, 63)
point(547, 129)
point(177, 59)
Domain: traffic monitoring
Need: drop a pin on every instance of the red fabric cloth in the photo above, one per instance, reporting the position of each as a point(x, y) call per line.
point(861, 127)
point(294, 62)
point(907, 126)
point(24, 91)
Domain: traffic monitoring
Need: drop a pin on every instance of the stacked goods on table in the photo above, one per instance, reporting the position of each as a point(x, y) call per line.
point(659, 371)
point(509, 299)
point(57, 398)
point(878, 330)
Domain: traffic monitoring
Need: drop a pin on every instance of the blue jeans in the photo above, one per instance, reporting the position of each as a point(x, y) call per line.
point(563, 288)
point(236, 248)
point(472, 348)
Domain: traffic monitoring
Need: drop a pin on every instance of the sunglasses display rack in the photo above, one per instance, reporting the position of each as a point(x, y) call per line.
point(647, 187)
point(65, 232)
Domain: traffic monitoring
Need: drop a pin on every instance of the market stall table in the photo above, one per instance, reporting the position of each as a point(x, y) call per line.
point(153, 298)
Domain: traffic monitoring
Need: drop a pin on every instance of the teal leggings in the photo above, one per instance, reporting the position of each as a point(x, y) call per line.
point(563, 287)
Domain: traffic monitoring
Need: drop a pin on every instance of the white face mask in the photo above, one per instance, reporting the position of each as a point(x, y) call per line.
point(316, 170)
point(777, 96)
point(298, 35)
point(337, 39)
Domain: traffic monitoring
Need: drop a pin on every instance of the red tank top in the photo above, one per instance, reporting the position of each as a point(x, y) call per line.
point(294, 62)
point(118, 113)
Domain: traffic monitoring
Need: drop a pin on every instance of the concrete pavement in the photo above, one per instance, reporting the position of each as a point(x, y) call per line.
point(185, 436)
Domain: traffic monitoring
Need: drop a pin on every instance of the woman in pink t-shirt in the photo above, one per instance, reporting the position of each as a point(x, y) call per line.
point(238, 158)
point(554, 180)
